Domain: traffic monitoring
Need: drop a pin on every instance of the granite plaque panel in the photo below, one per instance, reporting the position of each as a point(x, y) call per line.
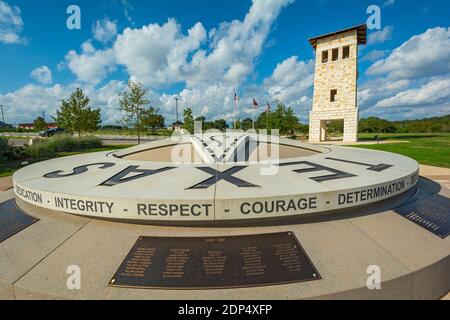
point(13, 220)
point(215, 262)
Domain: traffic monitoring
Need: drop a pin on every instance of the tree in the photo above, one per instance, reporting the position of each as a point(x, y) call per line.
point(282, 118)
point(246, 124)
point(39, 124)
point(132, 102)
point(76, 115)
point(152, 119)
point(220, 124)
point(188, 120)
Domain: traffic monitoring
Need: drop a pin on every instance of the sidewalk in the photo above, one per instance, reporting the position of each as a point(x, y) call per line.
point(5, 183)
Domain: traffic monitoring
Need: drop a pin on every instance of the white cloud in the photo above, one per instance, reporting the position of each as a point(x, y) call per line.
point(161, 55)
point(28, 102)
point(104, 30)
point(42, 74)
point(435, 92)
point(375, 55)
point(388, 3)
point(380, 36)
point(156, 54)
point(427, 54)
point(291, 81)
point(11, 24)
point(413, 81)
point(91, 66)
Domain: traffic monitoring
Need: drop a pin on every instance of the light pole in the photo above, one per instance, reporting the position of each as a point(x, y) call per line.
point(3, 116)
point(176, 106)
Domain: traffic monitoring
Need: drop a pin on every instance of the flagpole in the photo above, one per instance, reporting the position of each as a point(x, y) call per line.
point(253, 118)
point(235, 109)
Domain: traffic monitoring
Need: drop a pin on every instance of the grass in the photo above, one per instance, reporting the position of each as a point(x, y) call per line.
point(428, 149)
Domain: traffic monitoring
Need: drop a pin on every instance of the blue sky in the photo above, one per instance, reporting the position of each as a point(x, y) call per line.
point(204, 50)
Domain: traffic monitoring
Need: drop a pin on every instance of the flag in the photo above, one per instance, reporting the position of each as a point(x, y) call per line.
point(267, 108)
point(255, 104)
point(236, 98)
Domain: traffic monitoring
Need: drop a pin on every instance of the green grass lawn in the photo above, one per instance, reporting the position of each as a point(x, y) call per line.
point(7, 168)
point(428, 149)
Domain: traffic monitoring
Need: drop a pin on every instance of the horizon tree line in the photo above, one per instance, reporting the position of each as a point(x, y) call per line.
point(76, 115)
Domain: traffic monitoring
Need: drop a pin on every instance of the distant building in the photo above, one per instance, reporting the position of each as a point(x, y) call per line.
point(30, 126)
point(335, 82)
point(176, 126)
point(5, 125)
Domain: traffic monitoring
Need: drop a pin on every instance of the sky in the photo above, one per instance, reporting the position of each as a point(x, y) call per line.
point(203, 51)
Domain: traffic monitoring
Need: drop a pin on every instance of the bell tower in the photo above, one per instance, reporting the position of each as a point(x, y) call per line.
point(335, 82)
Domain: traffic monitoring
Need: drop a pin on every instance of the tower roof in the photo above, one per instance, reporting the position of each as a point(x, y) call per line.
point(361, 34)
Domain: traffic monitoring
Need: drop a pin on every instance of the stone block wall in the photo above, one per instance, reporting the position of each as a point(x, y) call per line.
point(340, 75)
point(317, 121)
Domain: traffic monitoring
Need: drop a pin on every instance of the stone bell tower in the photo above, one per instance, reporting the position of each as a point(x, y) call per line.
point(335, 82)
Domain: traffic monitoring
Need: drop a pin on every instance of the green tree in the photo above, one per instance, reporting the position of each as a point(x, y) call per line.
point(76, 115)
point(132, 102)
point(246, 124)
point(152, 119)
point(39, 124)
point(220, 124)
point(283, 119)
point(188, 120)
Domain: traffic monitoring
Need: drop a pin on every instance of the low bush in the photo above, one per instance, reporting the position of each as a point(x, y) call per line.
point(48, 148)
point(5, 149)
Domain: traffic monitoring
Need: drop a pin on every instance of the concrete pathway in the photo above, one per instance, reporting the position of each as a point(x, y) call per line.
point(440, 175)
point(5, 183)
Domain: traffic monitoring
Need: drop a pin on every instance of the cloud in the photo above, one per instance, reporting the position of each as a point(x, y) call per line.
point(211, 64)
point(435, 92)
point(156, 54)
point(375, 55)
point(381, 36)
point(11, 24)
point(28, 102)
point(104, 30)
point(42, 74)
point(413, 81)
point(162, 55)
point(291, 82)
point(388, 3)
point(424, 55)
point(91, 66)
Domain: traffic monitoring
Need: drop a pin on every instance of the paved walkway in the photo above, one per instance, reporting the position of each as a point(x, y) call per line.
point(440, 175)
point(5, 183)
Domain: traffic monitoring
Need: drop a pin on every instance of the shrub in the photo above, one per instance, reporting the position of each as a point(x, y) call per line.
point(48, 148)
point(5, 149)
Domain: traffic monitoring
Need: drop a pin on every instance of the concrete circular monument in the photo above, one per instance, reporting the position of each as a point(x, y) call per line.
point(215, 178)
point(225, 216)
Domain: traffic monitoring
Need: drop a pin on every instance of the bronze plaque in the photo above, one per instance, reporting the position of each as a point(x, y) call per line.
point(13, 220)
point(215, 262)
point(430, 211)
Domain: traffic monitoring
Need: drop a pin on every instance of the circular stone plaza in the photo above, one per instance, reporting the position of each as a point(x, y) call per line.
point(225, 216)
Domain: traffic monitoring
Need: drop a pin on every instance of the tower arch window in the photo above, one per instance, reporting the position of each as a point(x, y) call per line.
point(333, 94)
point(346, 52)
point(335, 54)
point(325, 56)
